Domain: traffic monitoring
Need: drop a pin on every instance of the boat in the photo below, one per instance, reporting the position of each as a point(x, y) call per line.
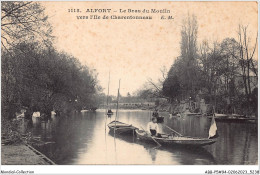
point(109, 113)
point(188, 113)
point(178, 139)
point(121, 128)
point(167, 139)
point(237, 115)
point(194, 114)
point(84, 110)
point(117, 126)
point(220, 115)
point(234, 118)
point(195, 152)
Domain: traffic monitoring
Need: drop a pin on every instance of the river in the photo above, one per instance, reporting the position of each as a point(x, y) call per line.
point(83, 138)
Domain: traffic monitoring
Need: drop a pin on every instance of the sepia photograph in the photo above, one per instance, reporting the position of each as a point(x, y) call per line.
point(129, 83)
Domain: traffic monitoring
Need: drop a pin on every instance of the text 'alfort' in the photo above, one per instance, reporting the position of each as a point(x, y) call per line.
point(121, 11)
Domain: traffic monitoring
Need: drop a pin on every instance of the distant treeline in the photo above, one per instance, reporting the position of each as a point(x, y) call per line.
point(223, 73)
point(35, 76)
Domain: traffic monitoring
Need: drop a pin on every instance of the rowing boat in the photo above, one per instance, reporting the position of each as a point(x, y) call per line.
point(109, 114)
point(234, 118)
point(167, 139)
point(121, 128)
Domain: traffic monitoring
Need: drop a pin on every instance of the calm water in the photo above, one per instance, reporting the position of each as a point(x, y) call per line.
point(83, 138)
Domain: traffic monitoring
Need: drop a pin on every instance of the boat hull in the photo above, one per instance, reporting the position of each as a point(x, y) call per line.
point(234, 119)
point(121, 128)
point(184, 141)
point(126, 130)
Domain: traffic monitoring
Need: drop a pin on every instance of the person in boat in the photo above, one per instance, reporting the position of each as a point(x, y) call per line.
point(155, 113)
point(153, 127)
point(109, 111)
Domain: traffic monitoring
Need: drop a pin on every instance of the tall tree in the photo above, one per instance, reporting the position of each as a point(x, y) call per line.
point(189, 53)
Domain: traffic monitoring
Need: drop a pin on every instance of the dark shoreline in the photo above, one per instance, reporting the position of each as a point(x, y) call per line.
point(23, 154)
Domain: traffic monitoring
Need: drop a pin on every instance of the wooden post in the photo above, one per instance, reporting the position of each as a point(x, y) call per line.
point(107, 101)
point(117, 107)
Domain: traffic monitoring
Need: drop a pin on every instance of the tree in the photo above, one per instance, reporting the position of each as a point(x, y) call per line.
point(24, 30)
point(44, 81)
point(246, 58)
point(23, 21)
point(172, 87)
point(189, 54)
point(145, 94)
point(184, 75)
point(214, 70)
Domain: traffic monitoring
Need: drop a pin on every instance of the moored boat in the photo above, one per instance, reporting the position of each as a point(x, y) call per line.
point(167, 139)
point(110, 112)
point(188, 113)
point(121, 128)
point(117, 126)
point(220, 115)
point(194, 114)
point(233, 118)
point(236, 119)
point(84, 110)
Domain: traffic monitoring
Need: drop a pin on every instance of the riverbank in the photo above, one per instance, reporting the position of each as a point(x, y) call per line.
point(20, 154)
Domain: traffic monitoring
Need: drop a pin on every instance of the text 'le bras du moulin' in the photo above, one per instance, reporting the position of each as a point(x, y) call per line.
point(122, 10)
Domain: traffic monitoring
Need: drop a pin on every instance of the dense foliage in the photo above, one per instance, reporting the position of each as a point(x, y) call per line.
point(223, 73)
point(34, 75)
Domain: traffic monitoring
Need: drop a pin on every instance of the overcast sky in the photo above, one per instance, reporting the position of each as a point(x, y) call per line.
point(134, 50)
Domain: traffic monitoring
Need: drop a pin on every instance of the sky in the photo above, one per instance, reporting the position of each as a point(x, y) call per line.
point(135, 50)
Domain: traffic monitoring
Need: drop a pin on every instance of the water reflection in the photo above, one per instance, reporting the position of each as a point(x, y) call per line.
point(187, 156)
point(82, 138)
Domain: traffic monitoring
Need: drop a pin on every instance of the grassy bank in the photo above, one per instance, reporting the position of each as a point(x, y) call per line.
point(20, 154)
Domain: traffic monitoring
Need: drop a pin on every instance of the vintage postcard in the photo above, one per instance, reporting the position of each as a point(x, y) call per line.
point(129, 83)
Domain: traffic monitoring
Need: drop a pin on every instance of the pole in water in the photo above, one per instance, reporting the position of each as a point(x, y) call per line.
point(173, 130)
point(115, 149)
point(117, 107)
point(105, 123)
point(107, 101)
point(108, 89)
point(151, 137)
point(133, 135)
